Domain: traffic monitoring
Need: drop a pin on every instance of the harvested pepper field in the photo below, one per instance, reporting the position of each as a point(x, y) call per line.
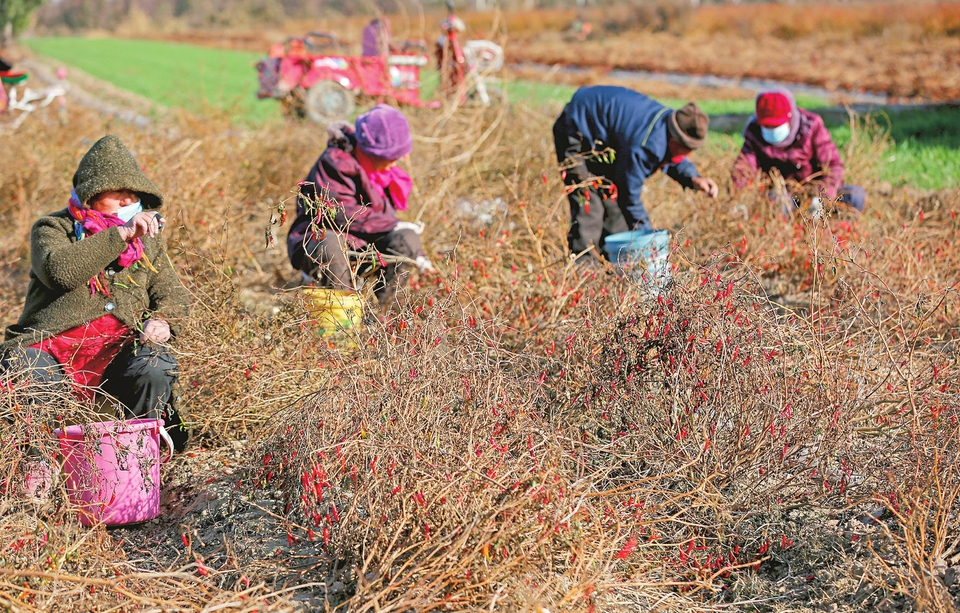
point(778, 431)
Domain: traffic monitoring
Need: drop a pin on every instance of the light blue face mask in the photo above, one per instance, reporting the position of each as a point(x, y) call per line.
point(777, 135)
point(126, 213)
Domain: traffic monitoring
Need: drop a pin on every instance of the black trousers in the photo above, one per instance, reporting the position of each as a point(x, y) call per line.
point(141, 378)
point(594, 210)
point(327, 261)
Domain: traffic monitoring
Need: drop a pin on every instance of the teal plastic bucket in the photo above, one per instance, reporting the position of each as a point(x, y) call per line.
point(643, 255)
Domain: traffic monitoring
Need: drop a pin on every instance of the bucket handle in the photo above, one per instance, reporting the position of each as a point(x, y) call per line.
point(169, 441)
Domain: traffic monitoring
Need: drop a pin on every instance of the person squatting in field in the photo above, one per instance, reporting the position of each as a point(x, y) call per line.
point(103, 298)
point(349, 202)
point(783, 137)
point(609, 140)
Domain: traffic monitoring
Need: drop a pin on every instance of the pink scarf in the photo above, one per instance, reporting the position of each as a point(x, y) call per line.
point(396, 180)
point(88, 222)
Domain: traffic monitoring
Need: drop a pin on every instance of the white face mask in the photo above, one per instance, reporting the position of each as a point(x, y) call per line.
point(126, 213)
point(777, 135)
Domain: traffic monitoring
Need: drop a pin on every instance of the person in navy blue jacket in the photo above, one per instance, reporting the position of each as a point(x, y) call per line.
point(609, 140)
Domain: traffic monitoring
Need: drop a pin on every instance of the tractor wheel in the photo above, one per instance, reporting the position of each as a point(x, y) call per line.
point(495, 96)
point(328, 100)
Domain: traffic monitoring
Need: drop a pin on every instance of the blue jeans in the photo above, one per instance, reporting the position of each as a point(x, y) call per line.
point(853, 195)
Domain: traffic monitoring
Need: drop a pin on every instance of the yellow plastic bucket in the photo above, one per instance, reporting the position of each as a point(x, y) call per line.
point(333, 309)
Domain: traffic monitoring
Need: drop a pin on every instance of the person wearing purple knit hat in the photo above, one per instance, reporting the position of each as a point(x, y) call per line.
point(793, 141)
point(349, 202)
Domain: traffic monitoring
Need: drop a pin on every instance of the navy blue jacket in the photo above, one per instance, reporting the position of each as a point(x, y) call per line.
point(635, 127)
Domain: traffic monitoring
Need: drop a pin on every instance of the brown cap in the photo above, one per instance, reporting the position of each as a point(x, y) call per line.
point(689, 126)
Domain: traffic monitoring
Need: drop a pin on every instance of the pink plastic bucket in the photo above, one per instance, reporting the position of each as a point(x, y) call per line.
point(112, 469)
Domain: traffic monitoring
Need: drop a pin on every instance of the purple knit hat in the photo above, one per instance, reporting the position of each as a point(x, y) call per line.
point(384, 132)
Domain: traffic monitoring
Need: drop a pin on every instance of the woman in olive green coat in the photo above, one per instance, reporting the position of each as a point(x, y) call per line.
point(103, 300)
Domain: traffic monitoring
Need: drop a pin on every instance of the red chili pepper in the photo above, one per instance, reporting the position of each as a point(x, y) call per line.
point(627, 548)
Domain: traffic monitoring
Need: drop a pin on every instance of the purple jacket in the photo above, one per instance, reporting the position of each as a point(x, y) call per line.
point(361, 215)
point(811, 157)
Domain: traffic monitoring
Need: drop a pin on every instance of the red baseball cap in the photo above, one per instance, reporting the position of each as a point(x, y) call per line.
point(773, 109)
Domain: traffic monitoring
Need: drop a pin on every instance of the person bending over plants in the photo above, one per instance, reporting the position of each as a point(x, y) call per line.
point(609, 140)
point(103, 298)
point(794, 142)
point(348, 206)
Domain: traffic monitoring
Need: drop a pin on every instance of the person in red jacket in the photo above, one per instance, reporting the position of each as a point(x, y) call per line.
point(349, 203)
point(795, 142)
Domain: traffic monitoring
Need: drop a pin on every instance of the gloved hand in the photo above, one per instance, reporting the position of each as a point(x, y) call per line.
point(417, 227)
point(816, 208)
point(423, 264)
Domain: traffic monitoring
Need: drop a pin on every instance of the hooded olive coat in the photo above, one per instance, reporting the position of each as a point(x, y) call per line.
point(59, 296)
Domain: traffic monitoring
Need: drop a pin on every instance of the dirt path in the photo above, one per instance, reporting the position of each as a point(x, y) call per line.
point(96, 94)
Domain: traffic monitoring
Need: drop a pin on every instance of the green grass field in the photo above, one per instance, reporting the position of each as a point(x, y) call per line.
point(195, 78)
point(925, 151)
point(925, 154)
point(536, 93)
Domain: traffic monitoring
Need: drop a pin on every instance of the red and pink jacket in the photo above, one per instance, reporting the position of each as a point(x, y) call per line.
point(810, 158)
